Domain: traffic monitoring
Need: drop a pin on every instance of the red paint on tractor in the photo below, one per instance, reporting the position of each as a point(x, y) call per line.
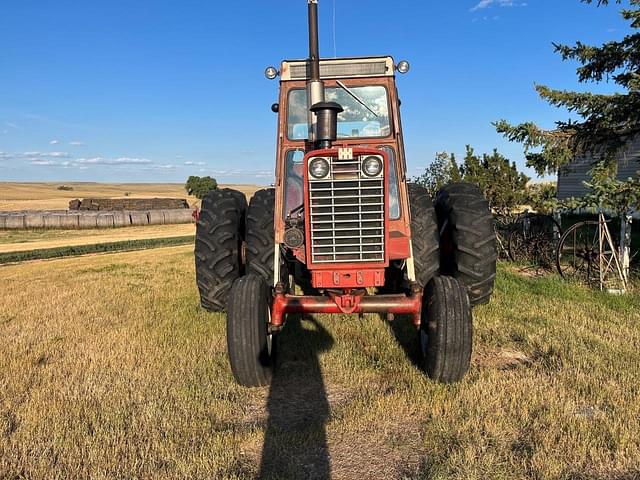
point(348, 278)
point(348, 274)
point(348, 303)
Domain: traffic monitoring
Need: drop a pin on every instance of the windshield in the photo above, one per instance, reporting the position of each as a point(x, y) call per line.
point(357, 121)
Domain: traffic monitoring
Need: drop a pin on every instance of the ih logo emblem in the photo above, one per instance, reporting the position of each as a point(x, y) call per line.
point(345, 153)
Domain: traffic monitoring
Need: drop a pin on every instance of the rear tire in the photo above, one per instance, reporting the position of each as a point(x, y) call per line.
point(217, 249)
point(424, 234)
point(241, 202)
point(250, 347)
point(446, 331)
point(467, 239)
point(260, 236)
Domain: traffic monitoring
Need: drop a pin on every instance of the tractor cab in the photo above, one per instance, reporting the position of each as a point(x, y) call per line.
point(346, 191)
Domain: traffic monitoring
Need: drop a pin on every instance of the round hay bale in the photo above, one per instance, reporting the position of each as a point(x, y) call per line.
point(52, 220)
point(15, 221)
point(156, 217)
point(3, 222)
point(139, 218)
point(105, 221)
point(87, 220)
point(70, 221)
point(120, 219)
point(178, 216)
point(34, 220)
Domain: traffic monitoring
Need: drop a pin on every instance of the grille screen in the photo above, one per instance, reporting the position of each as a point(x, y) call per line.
point(355, 69)
point(347, 215)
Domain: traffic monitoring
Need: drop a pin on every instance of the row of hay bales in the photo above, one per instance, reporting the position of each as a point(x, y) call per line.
point(111, 204)
point(87, 219)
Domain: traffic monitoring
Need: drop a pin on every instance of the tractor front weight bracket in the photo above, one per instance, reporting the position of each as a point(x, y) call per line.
point(348, 302)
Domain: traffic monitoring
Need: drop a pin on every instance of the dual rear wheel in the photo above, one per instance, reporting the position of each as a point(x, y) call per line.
point(457, 227)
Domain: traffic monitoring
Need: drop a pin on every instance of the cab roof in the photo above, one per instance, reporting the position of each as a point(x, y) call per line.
point(339, 68)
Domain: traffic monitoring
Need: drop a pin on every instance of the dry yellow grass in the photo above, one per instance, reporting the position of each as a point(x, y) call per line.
point(46, 196)
point(109, 369)
point(24, 240)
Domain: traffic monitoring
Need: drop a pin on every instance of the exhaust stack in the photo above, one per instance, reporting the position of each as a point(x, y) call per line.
point(323, 116)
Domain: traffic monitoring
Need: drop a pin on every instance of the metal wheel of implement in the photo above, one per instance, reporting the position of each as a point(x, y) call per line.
point(533, 239)
point(578, 254)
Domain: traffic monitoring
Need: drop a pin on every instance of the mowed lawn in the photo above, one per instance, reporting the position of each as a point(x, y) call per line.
point(109, 369)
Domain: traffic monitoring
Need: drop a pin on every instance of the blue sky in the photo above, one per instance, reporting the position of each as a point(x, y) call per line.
point(122, 91)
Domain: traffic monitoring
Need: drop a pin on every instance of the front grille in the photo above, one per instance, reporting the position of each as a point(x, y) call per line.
point(347, 215)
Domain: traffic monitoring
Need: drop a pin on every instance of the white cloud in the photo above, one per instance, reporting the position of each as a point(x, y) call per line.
point(238, 172)
point(500, 3)
point(44, 163)
point(112, 161)
point(199, 164)
point(76, 144)
point(54, 142)
point(33, 155)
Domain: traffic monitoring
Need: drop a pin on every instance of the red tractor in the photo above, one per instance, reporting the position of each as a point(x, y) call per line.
point(343, 225)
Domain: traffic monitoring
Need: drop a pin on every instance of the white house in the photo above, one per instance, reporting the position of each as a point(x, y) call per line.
point(572, 176)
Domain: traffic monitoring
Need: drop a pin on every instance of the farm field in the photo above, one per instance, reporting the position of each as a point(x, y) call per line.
point(23, 240)
point(46, 196)
point(109, 369)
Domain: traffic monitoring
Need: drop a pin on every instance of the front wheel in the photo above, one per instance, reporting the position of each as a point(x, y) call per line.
point(446, 331)
point(251, 348)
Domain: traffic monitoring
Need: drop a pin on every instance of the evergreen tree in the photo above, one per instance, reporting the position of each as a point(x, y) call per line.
point(500, 181)
point(443, 170)
point(502, 184)
point(543, 197)
point(607, 122)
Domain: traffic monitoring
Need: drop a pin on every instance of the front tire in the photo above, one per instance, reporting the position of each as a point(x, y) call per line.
point(446, 331)
point(251, 348)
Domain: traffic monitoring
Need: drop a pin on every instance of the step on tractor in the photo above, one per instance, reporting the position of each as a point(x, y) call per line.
point(342, 231)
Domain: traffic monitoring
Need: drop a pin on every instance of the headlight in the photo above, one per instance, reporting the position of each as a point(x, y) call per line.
point(403, 66)
point(319, 168)
point(372, 166)
point(271, 72)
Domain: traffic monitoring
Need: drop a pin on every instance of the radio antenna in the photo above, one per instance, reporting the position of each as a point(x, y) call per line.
point(335, 54)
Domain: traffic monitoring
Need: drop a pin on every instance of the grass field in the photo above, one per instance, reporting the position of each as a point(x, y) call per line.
point(109, 369)
point(94, 248)
point(46, 196)
point(23, 240)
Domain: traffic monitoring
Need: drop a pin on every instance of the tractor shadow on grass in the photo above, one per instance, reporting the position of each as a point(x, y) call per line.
point(405, 334)
point(295, 443)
